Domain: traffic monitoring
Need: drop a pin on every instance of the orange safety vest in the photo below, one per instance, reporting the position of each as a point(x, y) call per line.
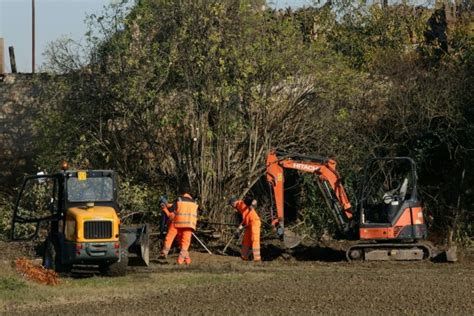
point(249, 215)
point(186, 212)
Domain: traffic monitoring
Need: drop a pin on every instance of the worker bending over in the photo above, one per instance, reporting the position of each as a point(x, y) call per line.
point(251, 222)
point(182, 215)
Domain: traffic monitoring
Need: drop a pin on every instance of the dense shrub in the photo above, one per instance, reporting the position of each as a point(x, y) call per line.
point(198, 92)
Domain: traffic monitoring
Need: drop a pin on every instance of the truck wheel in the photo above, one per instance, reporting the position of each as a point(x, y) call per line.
point(118, 268)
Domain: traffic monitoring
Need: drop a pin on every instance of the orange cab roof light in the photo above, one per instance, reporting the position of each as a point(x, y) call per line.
point(64, 165)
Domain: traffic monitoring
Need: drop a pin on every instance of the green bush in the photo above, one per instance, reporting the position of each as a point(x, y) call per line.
point(198, 92)
point(139, 202)
point(6, 212)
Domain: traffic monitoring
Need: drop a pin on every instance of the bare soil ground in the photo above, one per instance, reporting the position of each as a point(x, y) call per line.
point(224, 285)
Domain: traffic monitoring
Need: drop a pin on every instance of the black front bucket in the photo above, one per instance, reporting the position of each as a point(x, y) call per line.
point(137, 241)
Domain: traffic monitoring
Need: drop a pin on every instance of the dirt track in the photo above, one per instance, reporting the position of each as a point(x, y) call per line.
point(225, 285)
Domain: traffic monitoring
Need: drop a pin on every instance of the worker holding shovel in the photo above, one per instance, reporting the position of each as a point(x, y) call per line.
point(251, 222)
point(182, 215)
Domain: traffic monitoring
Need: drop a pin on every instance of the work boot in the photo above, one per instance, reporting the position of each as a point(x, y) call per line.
point(180, 260)
point(187, 261)
point(162, 256)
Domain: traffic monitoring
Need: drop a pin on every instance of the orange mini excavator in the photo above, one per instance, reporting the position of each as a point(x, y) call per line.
point(388, 222)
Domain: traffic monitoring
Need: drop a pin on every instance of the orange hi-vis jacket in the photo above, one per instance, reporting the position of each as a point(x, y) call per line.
point(249, 215)
point(251, 240)
point(185, 212)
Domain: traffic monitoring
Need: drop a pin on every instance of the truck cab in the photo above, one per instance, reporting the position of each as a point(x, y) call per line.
point(77, 214)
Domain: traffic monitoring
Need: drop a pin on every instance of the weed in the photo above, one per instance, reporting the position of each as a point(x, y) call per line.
point(10, 283)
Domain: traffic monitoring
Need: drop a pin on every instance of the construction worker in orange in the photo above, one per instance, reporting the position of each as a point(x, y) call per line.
point(182, 220)
point(251, 222)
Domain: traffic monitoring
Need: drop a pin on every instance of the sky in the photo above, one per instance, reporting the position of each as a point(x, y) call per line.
point(55, 19)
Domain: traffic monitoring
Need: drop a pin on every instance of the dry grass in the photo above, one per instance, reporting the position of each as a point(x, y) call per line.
point(219, 285)
point(20, 294)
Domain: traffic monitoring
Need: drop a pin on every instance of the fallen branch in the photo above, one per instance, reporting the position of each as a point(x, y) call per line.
point(35, 272)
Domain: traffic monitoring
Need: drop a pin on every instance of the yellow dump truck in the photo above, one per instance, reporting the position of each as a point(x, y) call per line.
point(76, 212)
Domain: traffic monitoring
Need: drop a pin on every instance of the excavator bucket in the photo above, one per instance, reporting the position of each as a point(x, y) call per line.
point(136, 239)
point(291, 239)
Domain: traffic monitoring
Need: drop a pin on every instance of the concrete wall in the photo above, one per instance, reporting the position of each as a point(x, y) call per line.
point(18, 105)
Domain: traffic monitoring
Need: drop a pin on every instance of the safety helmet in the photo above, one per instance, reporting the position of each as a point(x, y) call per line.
point(232, 200)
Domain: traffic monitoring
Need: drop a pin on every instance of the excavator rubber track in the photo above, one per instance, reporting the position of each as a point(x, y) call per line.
point(390, 252)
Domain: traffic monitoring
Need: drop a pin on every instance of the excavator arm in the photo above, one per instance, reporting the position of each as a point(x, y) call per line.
point(329, 182)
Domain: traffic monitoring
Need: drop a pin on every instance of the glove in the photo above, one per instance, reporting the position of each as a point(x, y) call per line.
point(163, 199)
point(238, 231)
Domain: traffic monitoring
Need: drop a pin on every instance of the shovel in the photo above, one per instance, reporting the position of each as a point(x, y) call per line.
point(229, 242)
point(202, 244)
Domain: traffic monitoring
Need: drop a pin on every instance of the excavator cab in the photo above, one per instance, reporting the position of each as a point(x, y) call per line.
point(389, 207)
point(385, 186)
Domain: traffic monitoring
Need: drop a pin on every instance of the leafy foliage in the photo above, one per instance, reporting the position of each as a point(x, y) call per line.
point(197, 92)
point(6, 212)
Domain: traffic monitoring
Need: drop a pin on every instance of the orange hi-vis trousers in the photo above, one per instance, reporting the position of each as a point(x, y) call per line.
point(251, 241)
point(184, 237)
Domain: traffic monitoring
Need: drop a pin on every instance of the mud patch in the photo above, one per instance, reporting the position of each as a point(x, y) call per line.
point(277, 288)
point(312, 279)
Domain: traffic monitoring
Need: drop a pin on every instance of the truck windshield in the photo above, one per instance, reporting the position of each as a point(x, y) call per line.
point(92, 189)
